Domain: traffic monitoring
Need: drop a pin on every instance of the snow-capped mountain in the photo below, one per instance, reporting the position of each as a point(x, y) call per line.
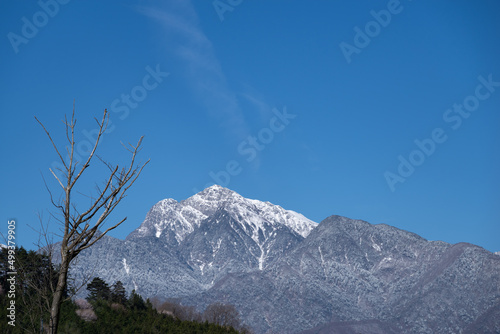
point(287, 274)
point(181, 218)
point(226, 219)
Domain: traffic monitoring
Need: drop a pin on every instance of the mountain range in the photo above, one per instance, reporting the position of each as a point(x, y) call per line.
point(288, 274)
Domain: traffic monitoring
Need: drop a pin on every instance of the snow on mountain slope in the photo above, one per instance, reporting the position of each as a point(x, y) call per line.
point(179, 219)
point(217, 231)
point(172, 216)
point(253, 212)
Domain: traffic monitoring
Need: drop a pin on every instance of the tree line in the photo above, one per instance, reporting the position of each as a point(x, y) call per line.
point(107, 308)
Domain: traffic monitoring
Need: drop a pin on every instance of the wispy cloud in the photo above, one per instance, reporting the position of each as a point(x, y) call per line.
point(180, 22)
point(257, 101)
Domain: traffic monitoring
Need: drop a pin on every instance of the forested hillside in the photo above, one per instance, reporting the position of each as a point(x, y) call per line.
point(106, 310)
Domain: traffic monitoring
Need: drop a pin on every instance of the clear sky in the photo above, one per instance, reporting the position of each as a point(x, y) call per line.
point(386, 111)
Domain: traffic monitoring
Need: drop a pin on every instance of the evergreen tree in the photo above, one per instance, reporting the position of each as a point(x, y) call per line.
point(35, 279)
point(136, 302)
point(118, 293)
point(33, 286)
point(98, 290)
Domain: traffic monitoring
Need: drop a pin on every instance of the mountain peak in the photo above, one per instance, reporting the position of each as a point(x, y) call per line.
point(215, 187)
point(167, 201)
point(175, 220)
point(249, 211)
point(216, 193)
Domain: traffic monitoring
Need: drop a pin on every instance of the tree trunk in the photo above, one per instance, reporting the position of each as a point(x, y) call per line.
point(58, 295)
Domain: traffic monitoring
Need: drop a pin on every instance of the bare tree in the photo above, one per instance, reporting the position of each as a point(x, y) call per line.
point(79, 228)
point(174, 308)
point(223, 315)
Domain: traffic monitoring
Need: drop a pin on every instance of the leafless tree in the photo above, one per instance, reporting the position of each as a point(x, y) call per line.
point(222, 314)
point(80, 228)
point(174, 308)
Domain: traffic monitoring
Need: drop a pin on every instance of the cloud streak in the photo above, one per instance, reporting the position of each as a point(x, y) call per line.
point(204, 72)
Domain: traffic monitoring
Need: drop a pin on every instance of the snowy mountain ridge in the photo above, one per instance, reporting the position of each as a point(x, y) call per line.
point(183, 217)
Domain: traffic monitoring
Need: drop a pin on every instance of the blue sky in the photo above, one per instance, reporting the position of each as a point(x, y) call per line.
point(384, 111)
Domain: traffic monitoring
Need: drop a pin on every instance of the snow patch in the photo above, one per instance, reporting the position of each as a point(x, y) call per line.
point(219, 242)
point(375, 245)
point(261, 258)
point(322, 261)
point(202, 267)
point(125, 266)
point(127, 270)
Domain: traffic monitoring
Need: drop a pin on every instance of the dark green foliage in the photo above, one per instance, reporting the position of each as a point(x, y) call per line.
point(29, 320)
point(116, 318)
point(136, 302)
point(125, 320)
point(35, 281)
point(98, 290)
point(110, 310)
point(118, 293)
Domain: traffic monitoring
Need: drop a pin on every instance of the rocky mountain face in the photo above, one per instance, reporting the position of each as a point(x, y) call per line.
point(287, 274)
